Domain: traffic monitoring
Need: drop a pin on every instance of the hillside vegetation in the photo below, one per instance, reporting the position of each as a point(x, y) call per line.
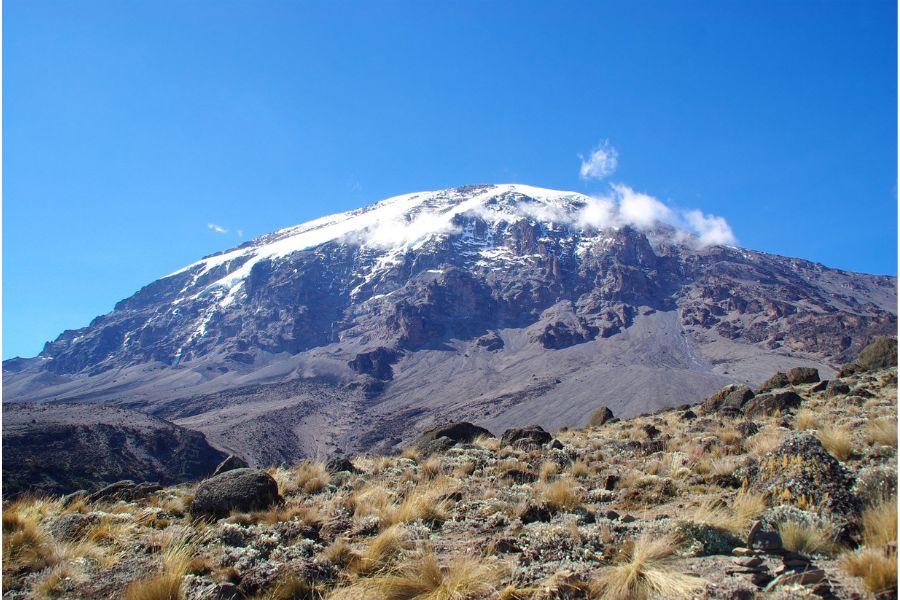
point(786, 493)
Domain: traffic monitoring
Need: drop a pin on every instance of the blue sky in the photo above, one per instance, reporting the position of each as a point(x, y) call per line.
point(130, 127)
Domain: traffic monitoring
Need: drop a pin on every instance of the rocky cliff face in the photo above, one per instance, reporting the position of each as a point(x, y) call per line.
point(492, 300)
point(57, 449)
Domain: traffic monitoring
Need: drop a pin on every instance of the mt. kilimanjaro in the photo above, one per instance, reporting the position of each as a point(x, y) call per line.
point(498, 304)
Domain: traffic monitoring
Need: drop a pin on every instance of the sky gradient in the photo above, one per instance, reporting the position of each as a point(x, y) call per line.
point(140, 136)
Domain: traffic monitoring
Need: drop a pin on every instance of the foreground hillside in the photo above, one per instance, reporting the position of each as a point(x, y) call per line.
point(786, 493)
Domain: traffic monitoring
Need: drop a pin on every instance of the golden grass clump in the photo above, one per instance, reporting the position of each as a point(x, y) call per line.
point(877, 568)
point(562, 495)
point(311, 477)
point(431, 468)
point(766, 440)
point(176, 558)
point(736, 518)
point(424, 578)
point(548, 470)
point(882, 432)
point(807, 419)
point(808, 538)
point(837, 440)
point(880, 523)
point(381, 552)
point(580, 469)
point(648, 573)
point(488, 442)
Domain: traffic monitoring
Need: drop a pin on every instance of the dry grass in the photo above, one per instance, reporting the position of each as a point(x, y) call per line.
point(878, 569)
point(648, 573)
point(177, 555)
point(562, 495)
point(880, 523)
point(380, 553)
point(431, 468)
point(548, 471)
point(294, 588)
point(837, 440)
point(52, 582)
point(807, 419)
point(766, 440)
point(736, 518)
point(580, 470)
point(808, 539)
point(423, 578)
point(882, 432)
point(488, 442)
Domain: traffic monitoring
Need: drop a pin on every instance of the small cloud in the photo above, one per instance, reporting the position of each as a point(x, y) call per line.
point(217, 228)
point(601, 163)
point(641, 210)
point(711, 230)
point(240, 233)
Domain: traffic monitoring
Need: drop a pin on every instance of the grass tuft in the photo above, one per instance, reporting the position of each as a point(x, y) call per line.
point(837, 440)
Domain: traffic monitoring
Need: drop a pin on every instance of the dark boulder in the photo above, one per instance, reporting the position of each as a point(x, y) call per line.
point(126, 490)
point(229, 464)
point(74, 526)
point(836, 388)
point(461, 432)
point(340, 463)
point(600, 416)
point(533, 434)
point(747, 428)
point(820, 386)
point(730, 398)
point(490, 341)
point(778, 380)
point(849, 369)
point(799, 375)
point(769, 404)
point(880, 354)
point(802, 470)
point(240, 490)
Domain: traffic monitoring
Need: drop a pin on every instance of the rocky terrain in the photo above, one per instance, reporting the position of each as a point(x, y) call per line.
point(503, 304)
point(59, 448)
point(785, 491)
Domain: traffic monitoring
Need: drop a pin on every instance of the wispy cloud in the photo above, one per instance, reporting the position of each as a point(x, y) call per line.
point(600, 163)
point(217, 228)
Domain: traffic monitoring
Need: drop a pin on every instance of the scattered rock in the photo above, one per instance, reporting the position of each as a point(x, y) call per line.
point(533, 513)
point(610, 483)
point(241, 490)
point(73, 527)
point(339, 464)
point(729, 399)
point(793, 578)
point(600, 417)
point(747, 428)
point(229, 464)
point(849, 369)
point(800, 375)
point(461, 432)
point(769, 404)
point(533, 434)
point(836, 388)
point(123, 490)
point(820, 387)
point(688, 415)
point(880, 354)
point(778, 380)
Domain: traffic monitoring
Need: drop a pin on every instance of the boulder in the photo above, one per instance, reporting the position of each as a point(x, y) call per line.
point(74, 526)
point(376, 363)
point(229, 464)
point(533, 434)
point(769, 404)
point(799, 375)
point(849, 369)
point(747, 428)
point(880, 354)
point(836, 388)
point(461, 432)
point(340, 463)
point(240, 490)
point(778, 380)
point(801, 468)
point(600, 416)
point(126, 490)
point(730, 398)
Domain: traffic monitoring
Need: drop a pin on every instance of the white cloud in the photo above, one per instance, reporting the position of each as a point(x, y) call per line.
point(240, 232)
point(598, 213)
point(217, 228)
point(710, 228)
point(602, 162)
point(641, 210)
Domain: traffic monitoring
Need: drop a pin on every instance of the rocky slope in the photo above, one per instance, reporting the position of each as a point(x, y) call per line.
point(504, 303)
point(57, 449)
point(786, 493)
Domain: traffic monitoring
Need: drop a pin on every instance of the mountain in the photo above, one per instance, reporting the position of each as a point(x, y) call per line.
point(497, 304)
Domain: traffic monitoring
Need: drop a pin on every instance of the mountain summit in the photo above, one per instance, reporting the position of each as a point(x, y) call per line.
point(497, 304)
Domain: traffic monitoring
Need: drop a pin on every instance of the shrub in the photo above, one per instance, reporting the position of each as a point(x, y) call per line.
point(837, 440)
point(878, 569)
point(808, 538)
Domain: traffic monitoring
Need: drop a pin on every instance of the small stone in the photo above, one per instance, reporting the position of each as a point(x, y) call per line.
point(750, 561)
point(628, 519)
point(611, 515)
point(793, 577)
point(555, 445)
point(229, 464)
point(760, 579)
point(742, 552)
point(611, 482)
